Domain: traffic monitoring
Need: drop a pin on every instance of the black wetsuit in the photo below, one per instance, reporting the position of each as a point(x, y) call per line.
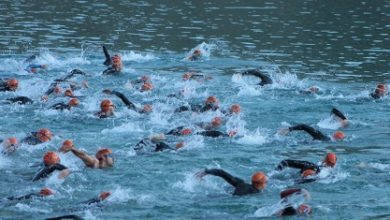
point(175, 131)
point(108, 62)
point(336, 112)
point(64, 79)
point(66, 217)
point(317, 135)
point(47, 170)
point(125, 100)
point(32, 139)
point(61, 106)
point(103, 115)
point(197, 108)
point(212, 133)
point(22, 100)
point(241, 188)
point(4, 87)
point(375, 95)
point(25, 197)
point(298, 164)
point(264, 78)
point(161, 146)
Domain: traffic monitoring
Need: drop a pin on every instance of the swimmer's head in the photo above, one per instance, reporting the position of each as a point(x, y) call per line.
point(51, 158)
point(259, 180)
point(104, 195)
point(235, 108)
point(381, 90)
point(46, 192)
point(314, 89)
point(338, 135)
point(57, 90)
point(69, 93)
point(147, 86)
point(116, 60)
point(308, 173)
point(107, 106)
point(330, 159)
point(216, 122)
point(12, 84)
point(180, 145)
point(145, 78)
point(10, 145)
point(73, 102)
point(186, 131)
point(187, 76)
point(304, 209)
point(212, 100)
point(105, 156)
point(44, 135)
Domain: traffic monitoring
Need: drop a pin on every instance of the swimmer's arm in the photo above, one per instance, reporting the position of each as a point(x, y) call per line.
point(88, 160)
point(234, 181)
point(72, 73)
point(317, 135)
point(162, 146)
point(298, 164)
point(125, 100)
point(338, 114)
point(51, 88)
point(212, 133)
point(107, 62)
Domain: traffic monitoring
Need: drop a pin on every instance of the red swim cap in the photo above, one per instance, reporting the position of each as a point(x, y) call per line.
point(104, 195)
point(339, 135)
point(12, 84)
point(73, 102)
point(66, 146)
point(307, 173)
point(235, 108)
point(330, 159)
point(44, 135)
point(51, 158)
point(46, 192)
point(217, 121)
point(304, 209)
point(106, 103)
point(186, 131)
point(259, 178)
point(102, 152)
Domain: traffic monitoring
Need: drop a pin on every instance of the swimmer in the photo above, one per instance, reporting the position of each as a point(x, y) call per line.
point(42, 193)
point(33, 68)
point(102, 196)
point(51, 163)
point(102, 159)
point(106, 109)
point(316, 134)
point(130, 105)
point(381, 91)
point(215, 123)
point(211, 103)
point(339, 116)
point(61, 106)
point(142, 79)
point(21, 100)
point(196, 55)
point(308, 169)
point(156, 142)
point(310, 90)
point(264, 78)
point(66, 217)
point(41, 136)
point(180, 131)
point(115, 63)
point(10, 145)
point(259, 181)
point(195, 76)
point(10, 85)
point(290, 209)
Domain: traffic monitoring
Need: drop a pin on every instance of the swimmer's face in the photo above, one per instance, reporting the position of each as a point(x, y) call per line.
point(106, 160)
point(68, 93)
point(107, 108)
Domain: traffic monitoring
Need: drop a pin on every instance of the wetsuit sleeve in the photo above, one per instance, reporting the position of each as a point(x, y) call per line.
point(47, 170)
point(212, 134)
point(72, 73)
point(31, 139)
point(162, 146)
point(338, 113)
point(264, 78)
point(182, 109)
point(234, 181)
point(28, 196)
point(20, 100)
point(93, 201)
point(125, 100)
point(60, 106)
point(298, 164)
point(317, 135)
point(107, 62)
point(175, 131)
point(51, 88)
point(66, 217)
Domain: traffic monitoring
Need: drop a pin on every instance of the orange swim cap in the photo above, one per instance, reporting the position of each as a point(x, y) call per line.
point(307, 173)
point(259, 178)
point(235, 108)
point(44, 135)
point(104, 195)
point(106, 105)
point(12, 140)
point(46, 192)
point(211, 100)
point(330, 159)
point(73, 102)
point(102, 152)
point(217, 121)
point(339, 135)
point(10, 145)
point(186, 131)
point(116, 59)
point(304, 209)
point(69, 93)
point(381, 90)
point(12, 84)
point(50, 158)
point(68, 143)
point(147, 86)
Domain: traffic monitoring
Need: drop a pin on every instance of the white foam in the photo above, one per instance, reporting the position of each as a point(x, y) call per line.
point(124, 128)
point(27, 208)
point(254, 138)
point(329, 123)
point(133, 56)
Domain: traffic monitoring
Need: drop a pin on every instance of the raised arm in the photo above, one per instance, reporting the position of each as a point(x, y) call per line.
point(107, 62)
point(234, 181)
point(338, 114)
point(125, 100)
point(264, 78)
point(88, 160)
point(317, 135)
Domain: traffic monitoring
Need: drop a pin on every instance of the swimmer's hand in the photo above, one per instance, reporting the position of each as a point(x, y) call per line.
point(283, 131)
point(199, 175)
point(63, 174)
point(65, 148)
point(107, 91)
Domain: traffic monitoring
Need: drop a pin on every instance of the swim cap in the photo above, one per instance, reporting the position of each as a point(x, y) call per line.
point(330, 159)
point(116, 59)
point(147, 86)
point(211, 100)
point(73, 102)
point(217, 121)
point(307, 173)
point(68, 143)
point(68, 92)
point(339, 135)
point(104, 195)
point(44, 135)
point(102, 152)
point(50, 158)
point(57, 90)
point(381, 90)
point(12, 84)
point(259, 178)
point(46, 192)
point(304, 209)
point(235, 108)
point(106, 103)
point(186, 131)
point(180, 145)
point(10, 145)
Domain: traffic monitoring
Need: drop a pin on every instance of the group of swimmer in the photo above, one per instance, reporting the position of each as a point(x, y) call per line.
point(157, 142)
